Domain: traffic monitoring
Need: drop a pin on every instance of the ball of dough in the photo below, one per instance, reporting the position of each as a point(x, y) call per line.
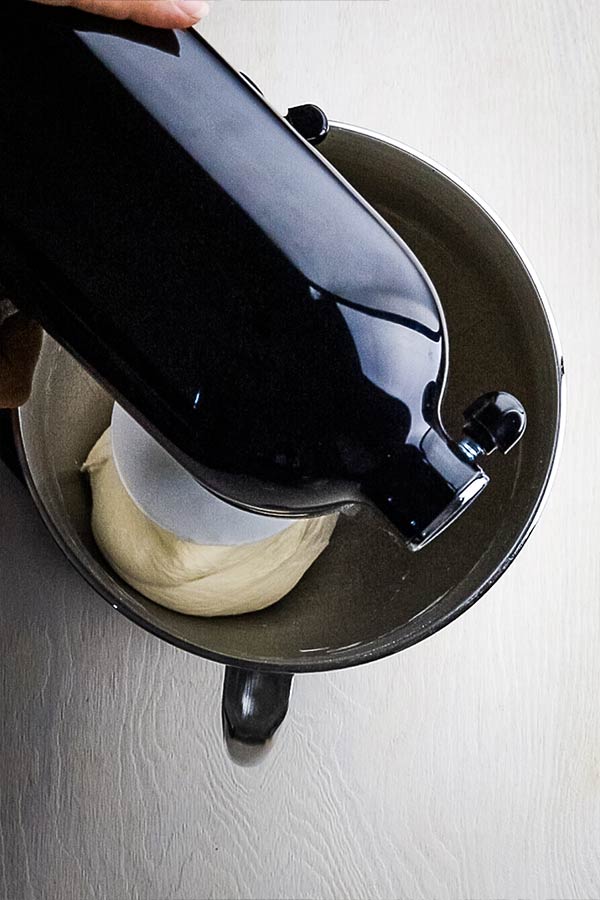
point(192, 578)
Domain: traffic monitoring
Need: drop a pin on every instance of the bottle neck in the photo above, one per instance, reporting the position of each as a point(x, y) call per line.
point(425, 488)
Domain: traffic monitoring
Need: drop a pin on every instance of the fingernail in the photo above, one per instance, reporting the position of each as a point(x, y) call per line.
point(195, 9)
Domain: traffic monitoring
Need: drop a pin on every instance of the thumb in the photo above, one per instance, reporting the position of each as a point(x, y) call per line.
point(159, 13)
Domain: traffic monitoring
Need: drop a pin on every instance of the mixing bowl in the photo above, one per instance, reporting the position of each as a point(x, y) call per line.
point(366, 596)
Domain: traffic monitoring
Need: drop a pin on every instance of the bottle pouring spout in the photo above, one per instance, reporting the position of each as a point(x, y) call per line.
point(435, 480)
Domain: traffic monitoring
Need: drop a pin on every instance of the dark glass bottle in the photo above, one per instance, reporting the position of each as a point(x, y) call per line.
point(229, 287)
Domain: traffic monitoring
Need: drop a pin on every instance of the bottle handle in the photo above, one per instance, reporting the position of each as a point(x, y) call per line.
point(254, 706)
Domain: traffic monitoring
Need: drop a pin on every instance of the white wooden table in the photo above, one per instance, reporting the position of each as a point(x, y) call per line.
point(466, 767)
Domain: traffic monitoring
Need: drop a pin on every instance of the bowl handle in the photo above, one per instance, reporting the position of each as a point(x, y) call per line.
point(254, 706)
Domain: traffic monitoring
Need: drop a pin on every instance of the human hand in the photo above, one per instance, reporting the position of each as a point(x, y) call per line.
point(159, 13)
point(20, 338)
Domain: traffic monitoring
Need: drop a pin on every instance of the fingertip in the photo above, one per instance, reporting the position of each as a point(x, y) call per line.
point(169, 13)
point(157, 13)
point(193, 9)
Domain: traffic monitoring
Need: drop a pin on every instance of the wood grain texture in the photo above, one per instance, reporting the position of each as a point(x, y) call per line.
point(466, 767)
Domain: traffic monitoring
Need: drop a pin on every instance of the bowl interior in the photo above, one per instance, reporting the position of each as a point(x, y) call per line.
point(365, 596)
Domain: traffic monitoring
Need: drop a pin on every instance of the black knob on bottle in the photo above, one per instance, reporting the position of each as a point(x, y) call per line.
point(495, 421)
point(309, 121)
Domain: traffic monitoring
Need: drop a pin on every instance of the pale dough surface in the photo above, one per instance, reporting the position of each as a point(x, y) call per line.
point(188, 577)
